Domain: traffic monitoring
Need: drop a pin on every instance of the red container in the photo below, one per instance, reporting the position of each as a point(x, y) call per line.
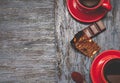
point(86, 14)
point(97, 68)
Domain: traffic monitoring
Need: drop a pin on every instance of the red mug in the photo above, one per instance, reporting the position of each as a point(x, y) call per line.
point(100, 63)
point(88, 14)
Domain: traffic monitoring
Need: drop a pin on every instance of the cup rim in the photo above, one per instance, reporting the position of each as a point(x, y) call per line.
point(90, 8)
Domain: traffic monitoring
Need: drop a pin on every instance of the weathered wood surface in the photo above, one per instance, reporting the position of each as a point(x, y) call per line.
point(27, 41)
point(69, 60)
point(27, 49)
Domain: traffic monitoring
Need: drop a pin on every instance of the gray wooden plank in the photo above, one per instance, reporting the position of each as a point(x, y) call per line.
point(27, 49)
point(69, 60)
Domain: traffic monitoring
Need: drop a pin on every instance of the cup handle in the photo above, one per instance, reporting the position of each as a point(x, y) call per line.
point(106, 4)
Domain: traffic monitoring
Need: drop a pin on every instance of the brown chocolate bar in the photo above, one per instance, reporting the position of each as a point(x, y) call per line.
point(94, 29)
point(82, 40)
point(84, 44)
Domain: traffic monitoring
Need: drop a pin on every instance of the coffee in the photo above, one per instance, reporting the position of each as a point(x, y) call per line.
point(89, 3)
point(112, 71)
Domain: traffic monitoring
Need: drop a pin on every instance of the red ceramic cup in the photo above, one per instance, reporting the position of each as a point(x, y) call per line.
point(87, 14)
point(99, 63)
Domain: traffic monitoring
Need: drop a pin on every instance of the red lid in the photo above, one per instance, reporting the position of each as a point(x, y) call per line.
point(99, 63)
point(83, 16)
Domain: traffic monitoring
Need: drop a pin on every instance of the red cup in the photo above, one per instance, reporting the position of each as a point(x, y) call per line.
point(87, 14)
point(99, 63)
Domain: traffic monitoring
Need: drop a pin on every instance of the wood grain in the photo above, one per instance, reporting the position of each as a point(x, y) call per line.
point(27, 49)
point(31, 36)
point(68, 59)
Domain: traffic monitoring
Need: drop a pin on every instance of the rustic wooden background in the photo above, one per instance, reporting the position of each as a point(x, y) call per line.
point(35, 41)
point(27, 49)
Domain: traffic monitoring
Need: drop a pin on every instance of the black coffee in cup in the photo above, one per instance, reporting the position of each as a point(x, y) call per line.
point(112, 71)
point(89, 3)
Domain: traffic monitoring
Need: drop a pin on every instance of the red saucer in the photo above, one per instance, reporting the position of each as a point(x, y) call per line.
point(99, 63)
point(83, 16)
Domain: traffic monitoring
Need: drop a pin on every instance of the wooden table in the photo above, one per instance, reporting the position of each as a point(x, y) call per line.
point(35, 41)
point(27, 49)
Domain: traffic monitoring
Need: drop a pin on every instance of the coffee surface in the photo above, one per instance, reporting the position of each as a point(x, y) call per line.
point(112, 70)
point(89, 3)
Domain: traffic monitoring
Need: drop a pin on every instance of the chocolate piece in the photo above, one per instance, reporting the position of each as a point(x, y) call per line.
point(82, 40)
point(94, 29)
point(84, 44)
